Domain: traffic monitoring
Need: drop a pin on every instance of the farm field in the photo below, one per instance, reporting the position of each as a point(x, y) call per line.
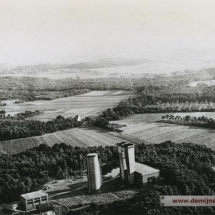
point(82, 137)
point(145, 129)
point(88, 104)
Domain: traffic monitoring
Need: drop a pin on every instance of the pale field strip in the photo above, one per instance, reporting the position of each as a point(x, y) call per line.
point(74, 137)
point(98, 198)
point(118, 92)
point(142, 127)
point(82, 104)
point(94, 93)
point(153, 132)
point(174, 135)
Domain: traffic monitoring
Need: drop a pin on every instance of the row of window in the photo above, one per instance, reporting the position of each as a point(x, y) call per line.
point(37, 200)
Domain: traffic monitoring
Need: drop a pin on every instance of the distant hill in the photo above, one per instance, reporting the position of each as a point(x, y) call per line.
point(101, 63)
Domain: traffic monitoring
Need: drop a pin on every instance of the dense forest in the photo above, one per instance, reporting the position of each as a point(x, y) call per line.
point(186, 169)
point(27, 171)
point(17, 127)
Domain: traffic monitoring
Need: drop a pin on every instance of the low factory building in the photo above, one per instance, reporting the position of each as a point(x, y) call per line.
point(145, 174)
point(31, 200)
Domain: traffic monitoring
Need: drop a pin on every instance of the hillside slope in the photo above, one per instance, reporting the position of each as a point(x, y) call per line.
point(82, 137)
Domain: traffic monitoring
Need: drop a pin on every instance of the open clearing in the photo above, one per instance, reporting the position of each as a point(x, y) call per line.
point(82, 137)
point(144, 127)
point(88, 104)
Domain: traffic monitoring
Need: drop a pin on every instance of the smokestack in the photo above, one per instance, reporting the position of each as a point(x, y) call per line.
point(130, 161)
point(122, 161)
point(93, 172)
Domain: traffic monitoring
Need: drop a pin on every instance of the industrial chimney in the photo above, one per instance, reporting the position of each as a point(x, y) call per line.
point(93, 172)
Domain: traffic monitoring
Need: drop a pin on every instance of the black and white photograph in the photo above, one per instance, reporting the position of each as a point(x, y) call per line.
point(107, 107)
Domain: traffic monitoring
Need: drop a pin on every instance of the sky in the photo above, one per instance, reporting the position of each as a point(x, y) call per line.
point(62, 31)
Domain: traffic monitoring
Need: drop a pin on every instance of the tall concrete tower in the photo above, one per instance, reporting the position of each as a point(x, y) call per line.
point(130, 161)
point(93, 172)
point(122, 161)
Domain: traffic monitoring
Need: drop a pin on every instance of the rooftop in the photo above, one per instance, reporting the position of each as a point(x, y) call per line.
point(92, 155)
point(144, 169)
point(34, 195)
point(128, 145)
point(120, 144)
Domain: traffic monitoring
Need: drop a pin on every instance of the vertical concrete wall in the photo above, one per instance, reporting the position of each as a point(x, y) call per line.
point(123, 167)
point(93, 172)
point(145, 177)
point(130, 162)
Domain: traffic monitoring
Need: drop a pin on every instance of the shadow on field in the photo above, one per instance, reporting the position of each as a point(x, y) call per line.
point(96, 129)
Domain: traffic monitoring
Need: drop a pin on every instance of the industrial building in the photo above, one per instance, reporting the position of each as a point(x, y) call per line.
point(31, 200)
point(93, 172)
point(131, 171)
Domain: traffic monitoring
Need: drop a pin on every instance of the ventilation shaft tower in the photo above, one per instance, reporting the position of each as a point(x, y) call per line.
point(93, 172)
point(127, 161)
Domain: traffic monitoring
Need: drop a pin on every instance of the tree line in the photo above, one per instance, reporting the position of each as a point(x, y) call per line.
point(201, 121)
point(15, 128)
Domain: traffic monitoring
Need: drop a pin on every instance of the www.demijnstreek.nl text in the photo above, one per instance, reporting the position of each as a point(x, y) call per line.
point(187, 201)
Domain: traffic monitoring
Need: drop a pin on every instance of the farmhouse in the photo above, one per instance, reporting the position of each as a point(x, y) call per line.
point(31, 200)
point(133, 172)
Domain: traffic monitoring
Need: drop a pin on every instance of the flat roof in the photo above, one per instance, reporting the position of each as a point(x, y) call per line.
point(92, 155)
point(121, 144)
point(144, 169)
point(34, 195)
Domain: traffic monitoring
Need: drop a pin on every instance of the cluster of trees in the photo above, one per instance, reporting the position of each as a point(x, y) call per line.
point(27, 114)
point(186, 169)
point(21, 128)
point(27, 171)
point(201, 121)
point(18, 116)
point(116, 113)
point(204, 106)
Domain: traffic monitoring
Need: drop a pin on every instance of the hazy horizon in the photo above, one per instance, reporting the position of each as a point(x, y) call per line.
point(53, 31)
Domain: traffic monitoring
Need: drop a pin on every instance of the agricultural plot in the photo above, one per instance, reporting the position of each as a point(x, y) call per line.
point(88, 104)
point(82, 137)
point(144, 128)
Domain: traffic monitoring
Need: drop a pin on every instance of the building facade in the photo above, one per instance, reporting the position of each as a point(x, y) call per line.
point(31, 200)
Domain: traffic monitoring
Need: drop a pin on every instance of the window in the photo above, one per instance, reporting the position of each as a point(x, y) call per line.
point(44, 198)
point(30, 201)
